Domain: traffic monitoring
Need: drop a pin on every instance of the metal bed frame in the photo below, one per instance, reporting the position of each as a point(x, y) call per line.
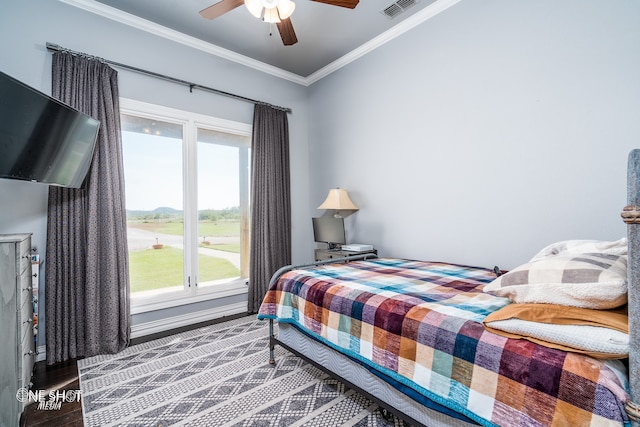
point(630, 215)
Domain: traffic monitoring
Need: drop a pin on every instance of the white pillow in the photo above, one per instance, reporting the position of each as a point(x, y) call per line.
point(588, 339)
point(618, 247)
point(597, 280)
point(598, 333)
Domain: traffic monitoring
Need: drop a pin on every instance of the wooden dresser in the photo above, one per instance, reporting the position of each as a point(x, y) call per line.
point(17, 347)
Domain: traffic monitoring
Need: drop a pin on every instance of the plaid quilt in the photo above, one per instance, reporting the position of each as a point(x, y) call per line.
point(421, 324)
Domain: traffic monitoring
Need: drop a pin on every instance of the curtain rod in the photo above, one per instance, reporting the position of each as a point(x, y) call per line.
point(56, 48)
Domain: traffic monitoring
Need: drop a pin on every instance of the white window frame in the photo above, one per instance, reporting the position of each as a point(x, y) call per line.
point(190, 122)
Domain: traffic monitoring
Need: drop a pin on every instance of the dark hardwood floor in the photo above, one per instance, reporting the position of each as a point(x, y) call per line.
point(64, 377)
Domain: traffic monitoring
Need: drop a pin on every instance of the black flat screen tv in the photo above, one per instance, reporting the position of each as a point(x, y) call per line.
point(329, 230)
point(42, 139)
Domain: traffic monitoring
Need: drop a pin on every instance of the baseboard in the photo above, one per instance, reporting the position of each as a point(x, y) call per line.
point(41, 353)
point(161, 325)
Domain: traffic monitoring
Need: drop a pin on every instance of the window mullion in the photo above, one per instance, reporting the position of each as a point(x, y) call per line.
point(191, 209)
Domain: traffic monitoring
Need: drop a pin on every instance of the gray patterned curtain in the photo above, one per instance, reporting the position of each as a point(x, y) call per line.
point(270, 200)
point(87, 273)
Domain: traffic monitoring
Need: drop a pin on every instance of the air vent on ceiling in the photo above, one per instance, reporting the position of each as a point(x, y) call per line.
point(397, 7)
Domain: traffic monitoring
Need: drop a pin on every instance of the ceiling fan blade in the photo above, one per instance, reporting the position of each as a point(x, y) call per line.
point(288, 35)
point(351, 4)
point(220, 8)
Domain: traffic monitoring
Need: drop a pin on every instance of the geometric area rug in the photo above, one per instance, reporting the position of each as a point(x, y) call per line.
point(217, 375)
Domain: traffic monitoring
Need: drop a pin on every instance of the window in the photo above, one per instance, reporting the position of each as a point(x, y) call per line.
point(187, 200)
point(223, 201)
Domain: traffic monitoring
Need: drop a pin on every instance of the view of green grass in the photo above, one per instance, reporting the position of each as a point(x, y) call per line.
point(163, 268)
point(176, 227)
point(235, 248)
point(207, 230)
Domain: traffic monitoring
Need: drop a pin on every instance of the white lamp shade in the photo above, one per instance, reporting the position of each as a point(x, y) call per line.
point(338, 199)
point(255, 7)
point(271, 15)
point(285, 8)
point(270, 10)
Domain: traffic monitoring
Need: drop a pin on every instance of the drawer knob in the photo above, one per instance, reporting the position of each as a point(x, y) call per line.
point(29, 320)
point(30, 353)
point(28, 288)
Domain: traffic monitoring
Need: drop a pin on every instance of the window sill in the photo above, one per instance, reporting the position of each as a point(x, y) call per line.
point(162, 300)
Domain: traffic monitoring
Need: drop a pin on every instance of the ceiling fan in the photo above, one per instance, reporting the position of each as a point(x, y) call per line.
point(273, 11)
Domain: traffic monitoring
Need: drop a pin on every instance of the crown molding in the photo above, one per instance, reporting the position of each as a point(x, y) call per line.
point(402, 27)
point(151, 27)
point(178, 37)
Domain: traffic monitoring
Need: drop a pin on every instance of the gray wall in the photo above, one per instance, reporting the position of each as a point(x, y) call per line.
point(25, 27)
point(484, 134)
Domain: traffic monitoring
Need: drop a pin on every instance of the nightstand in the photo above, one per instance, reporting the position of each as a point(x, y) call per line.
point(327, 254)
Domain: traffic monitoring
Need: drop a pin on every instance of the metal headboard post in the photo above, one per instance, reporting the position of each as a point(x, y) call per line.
point(631, 216)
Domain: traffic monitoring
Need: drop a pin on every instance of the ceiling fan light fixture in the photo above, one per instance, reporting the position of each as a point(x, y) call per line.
point(274, 11)
point(271, 15)
point(270, 10)
point(255, 7)
point(285, 8)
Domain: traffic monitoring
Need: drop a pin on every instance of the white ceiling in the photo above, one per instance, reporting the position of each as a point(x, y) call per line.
point(328, 36)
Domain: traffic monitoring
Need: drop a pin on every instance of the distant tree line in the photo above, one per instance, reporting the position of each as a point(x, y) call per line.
point(213, 215)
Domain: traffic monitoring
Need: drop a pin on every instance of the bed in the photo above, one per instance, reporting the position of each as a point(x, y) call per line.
point(551, 342)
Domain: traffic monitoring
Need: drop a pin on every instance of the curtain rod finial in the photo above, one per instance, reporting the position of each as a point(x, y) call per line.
point(53, 46)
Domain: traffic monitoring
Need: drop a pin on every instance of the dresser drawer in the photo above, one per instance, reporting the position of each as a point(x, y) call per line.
point(17, 344)
point(24, 259)
point(26, 358)
point(25, 287)
point(25, 315)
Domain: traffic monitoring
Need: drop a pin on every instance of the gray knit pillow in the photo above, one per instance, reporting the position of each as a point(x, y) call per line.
point(592, 280)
